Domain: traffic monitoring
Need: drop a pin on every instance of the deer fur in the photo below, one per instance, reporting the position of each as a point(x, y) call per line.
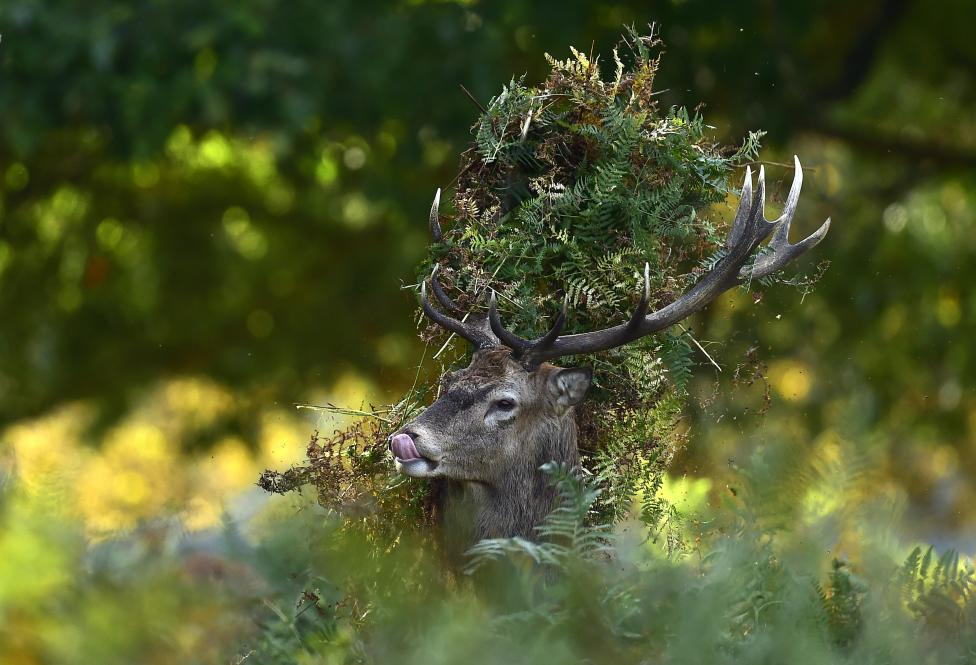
point(483, 458)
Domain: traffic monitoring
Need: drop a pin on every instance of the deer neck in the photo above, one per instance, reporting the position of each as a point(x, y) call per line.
point(518, 500)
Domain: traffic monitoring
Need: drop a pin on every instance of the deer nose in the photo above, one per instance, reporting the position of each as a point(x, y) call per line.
point(403, 447)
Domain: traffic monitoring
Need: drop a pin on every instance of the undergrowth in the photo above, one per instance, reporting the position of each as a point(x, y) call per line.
point(300, 584)
point(756, 587)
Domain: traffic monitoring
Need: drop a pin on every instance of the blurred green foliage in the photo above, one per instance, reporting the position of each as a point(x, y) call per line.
point(234, 192)
point(237, 189)
point(302, 587)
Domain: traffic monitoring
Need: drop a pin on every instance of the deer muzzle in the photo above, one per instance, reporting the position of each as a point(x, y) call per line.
point(408, 459)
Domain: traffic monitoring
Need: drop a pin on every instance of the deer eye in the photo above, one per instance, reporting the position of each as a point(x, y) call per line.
point(505, 405)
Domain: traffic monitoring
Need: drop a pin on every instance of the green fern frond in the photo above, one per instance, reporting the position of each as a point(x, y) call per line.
point(566, 535)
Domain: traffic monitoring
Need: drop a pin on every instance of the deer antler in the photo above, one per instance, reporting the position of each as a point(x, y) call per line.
point(476, 331)
point(435, 225)
point(523, 347)
point(749, 229)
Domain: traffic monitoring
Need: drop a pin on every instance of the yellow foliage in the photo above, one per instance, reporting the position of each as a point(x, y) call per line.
point(791, 378)
point(688, 495)
point(947, 309)
point(281, 439)
point(31, 566)
point(139, 470)
point(202, 513)
point(192, 402)
point(134, 478)
point(46, 456)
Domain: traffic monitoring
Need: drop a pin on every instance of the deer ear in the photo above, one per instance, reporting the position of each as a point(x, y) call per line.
point(569, 386)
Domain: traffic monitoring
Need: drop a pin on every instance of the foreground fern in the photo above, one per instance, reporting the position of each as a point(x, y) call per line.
point(758, 590)
point(566, 535)
point(300, 585)
point(941, 593)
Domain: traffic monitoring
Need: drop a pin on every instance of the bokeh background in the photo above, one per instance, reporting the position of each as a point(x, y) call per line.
point(208, 212)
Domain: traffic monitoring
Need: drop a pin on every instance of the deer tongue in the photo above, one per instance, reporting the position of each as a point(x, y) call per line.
point(403, 447)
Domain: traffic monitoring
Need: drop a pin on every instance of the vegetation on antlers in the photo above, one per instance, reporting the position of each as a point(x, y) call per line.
point(579, 190)
point(569, 188)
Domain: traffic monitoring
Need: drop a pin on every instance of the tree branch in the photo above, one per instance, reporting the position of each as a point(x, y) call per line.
point(890, 145)
point(860, 59)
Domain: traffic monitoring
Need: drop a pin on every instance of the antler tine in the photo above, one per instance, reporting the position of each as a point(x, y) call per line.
point(782, 252)
point(475, 330)
point(435, 225)
point(523, 348)
point(742, 213)
point(557, 327)
point(518, 345)
point(750, 226)
point(792, 199)
point(542, 349)
point(638, 316)
point(442, 320)
point(469, 332)
point(761, 228)
point(440, 294)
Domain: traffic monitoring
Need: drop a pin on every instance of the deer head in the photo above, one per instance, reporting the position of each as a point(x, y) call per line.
point(490, 419)
point(510, 411)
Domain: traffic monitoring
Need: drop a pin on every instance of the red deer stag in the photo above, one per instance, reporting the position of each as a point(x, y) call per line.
point(510, 411)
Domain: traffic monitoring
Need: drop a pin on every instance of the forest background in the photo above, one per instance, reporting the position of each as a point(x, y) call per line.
point(207, 213)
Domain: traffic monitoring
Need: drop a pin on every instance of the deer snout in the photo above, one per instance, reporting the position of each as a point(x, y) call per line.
point(411, 461)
